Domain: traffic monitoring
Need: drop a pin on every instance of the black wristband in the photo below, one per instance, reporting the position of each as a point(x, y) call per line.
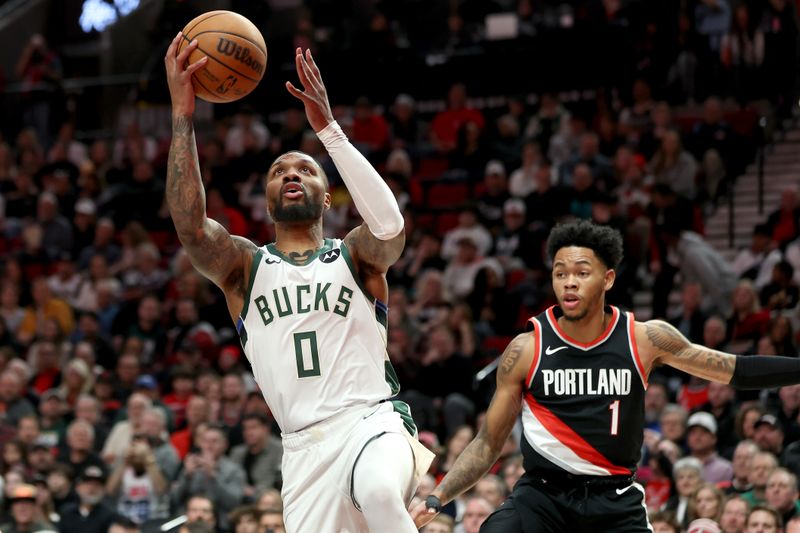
point(432, 502)
point(765, 371)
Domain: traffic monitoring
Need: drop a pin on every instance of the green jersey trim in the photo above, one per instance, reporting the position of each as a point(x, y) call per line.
point(253, 269)
point(402, 409)
point(352, 266)
point(327, 244)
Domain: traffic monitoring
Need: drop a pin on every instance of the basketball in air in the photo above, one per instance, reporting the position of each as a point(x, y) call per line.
point(237, 55)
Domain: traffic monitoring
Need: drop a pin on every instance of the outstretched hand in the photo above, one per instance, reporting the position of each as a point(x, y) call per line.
point(179, 76)
point(420, 514)
point(314, 97)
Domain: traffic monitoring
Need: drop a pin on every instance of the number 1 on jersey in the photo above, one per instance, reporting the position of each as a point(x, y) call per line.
point(304, 371)
point(614, 408)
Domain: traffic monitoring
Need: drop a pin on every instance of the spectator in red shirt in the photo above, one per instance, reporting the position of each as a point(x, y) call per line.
point(178, 399)
point(370, 130)
point(445, 125)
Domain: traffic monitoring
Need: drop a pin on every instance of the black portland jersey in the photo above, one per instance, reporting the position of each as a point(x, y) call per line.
point(583, 407)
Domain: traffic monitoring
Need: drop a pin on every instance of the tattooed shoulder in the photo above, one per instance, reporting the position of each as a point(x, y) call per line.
point(513, 353)
point(665, 337)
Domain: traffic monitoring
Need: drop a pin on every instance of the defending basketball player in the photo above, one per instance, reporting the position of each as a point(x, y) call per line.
point(579, 381)
point(311, 317)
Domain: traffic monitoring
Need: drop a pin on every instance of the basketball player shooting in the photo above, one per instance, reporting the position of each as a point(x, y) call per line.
point(311, 316)
point(579, 381)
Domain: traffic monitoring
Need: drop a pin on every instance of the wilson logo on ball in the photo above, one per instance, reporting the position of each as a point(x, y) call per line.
point(240, 53)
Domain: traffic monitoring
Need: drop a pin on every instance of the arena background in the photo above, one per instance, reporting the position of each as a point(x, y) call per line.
point(672, 120)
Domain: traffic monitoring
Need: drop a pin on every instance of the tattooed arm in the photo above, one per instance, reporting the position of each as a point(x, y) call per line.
point(483, 451)
point(660, 343)
point(218, 256)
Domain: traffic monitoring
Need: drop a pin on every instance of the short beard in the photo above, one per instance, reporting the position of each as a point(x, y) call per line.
point(305, 212)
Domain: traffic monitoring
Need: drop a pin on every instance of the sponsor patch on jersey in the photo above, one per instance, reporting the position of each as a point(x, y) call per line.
point(272, 260)
point(330, 256)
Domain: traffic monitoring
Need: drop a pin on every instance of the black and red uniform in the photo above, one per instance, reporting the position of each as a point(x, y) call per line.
point(583, 426)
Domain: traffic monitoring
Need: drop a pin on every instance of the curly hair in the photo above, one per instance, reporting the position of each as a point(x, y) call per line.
point(605, 242)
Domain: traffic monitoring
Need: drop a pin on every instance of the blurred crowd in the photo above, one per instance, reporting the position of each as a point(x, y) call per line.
point(125, 399)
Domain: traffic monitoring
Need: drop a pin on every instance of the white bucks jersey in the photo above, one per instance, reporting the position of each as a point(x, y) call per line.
point(316, 339)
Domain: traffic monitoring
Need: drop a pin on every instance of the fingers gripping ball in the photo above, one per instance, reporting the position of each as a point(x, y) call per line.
point(237, 55)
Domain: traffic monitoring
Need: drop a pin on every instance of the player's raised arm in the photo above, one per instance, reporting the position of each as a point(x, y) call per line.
point(378, 243)
point(485, 448)
point(661, 343)
point(212, 250)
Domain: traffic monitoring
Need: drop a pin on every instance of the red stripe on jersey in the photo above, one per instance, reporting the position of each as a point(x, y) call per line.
point(599, 340)
point(537, 347)
point(635, 348)
point(566, 436)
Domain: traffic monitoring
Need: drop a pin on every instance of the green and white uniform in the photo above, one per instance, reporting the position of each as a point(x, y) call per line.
point(316, 340)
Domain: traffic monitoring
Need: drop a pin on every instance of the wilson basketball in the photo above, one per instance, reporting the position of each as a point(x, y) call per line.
point(237, 55)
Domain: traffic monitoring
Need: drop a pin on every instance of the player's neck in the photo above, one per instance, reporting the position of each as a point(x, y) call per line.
point(587, 329)
point(298, 238)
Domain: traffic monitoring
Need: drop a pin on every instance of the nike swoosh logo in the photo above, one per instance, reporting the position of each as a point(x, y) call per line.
point(620, 492)
point(551, 351)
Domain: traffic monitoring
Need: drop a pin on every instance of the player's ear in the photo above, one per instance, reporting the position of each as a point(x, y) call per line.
point(610, 276)
point(326, 201)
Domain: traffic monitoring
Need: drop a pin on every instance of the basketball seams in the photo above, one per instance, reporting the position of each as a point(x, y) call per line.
point(235, 35)
point(210, 16)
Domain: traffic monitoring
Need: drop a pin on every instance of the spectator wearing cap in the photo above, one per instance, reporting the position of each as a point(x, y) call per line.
point(259, 456)
point(757, 260)
point(515, 246)
point(25, 513)
point(123, 431)
point(210, 473)
point(147, 385)
point(495, 193)
point(79, 452)
point(762, 466)
point(83, 225)
point(406, 130)
point(44, 307)
point(468, 226)
point(782, 493)
point(91, 514)
point(102, 244)
point(769, 434)
point(40, 457)
point(701, 440)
